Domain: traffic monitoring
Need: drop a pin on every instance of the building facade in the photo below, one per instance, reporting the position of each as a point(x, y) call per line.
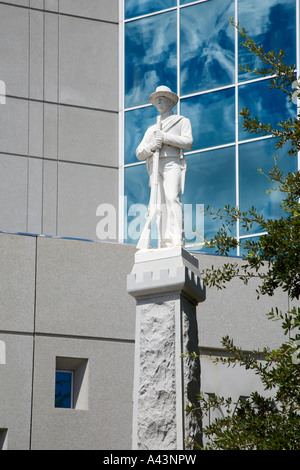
point(193, 48)
point(75, 80)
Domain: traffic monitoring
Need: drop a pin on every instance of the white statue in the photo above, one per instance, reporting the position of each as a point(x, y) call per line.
point(162, 147)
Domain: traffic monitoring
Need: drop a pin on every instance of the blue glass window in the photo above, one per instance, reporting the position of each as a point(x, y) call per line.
point(270, 106)
point(253, 185)
point(210, 180)
point(63, 389)
point(143, 7)
point(207, 46)
point(272, 24)
point(137, 122)
point(151, 57)
point(212, 118)
point(185, 2)
point(137, 193)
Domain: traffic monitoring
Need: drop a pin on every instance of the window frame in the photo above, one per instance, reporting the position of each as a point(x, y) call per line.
point(238, 82)
point(71, 372)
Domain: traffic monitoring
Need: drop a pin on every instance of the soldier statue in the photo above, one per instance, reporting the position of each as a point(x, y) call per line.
point(162, 147)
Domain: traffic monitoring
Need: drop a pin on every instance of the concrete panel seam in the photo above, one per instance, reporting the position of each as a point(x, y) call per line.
point(59, 13)
point(88, 338)
point(70, 105)
point(33, 344)
point(58, 160)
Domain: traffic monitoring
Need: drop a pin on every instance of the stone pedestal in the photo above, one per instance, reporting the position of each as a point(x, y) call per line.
point(167, 287)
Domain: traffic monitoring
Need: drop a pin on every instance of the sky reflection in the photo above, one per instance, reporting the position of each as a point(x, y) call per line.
point(143, 7)
point(210, 180)
point(207, 46)
point(253, 185)
point(270, 106)
point(209, 112)
point(271, 23)
point(151, 57)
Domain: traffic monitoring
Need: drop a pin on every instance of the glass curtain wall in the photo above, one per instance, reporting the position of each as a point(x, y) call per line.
point(192, 48)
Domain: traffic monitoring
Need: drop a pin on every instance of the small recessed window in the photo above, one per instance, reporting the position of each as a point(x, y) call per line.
point(71, 383)
point(64, 389)
point(3, 439)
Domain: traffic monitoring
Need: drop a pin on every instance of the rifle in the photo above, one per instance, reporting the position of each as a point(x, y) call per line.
point(153, 211)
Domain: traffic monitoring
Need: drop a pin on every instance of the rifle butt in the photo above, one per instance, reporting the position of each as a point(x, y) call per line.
point(144, 241)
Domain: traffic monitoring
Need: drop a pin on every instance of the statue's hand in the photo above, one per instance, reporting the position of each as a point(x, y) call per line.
point(156, 142)
point(159, 134)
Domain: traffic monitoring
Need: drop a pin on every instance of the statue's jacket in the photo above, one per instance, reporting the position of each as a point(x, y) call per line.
point(177, 136)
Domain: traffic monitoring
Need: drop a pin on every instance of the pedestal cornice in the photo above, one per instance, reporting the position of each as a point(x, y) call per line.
point(166, 270)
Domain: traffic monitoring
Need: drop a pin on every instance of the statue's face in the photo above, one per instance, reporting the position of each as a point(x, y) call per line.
point(163, 104)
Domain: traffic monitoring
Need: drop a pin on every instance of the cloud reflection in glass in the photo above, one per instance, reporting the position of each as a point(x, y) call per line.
point(151, 57)
point(207, 46)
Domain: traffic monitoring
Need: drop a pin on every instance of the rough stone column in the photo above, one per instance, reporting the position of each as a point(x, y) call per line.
point(167, 287)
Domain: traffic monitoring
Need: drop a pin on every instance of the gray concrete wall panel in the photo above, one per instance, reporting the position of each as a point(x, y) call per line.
point(51, 5)
point(81, 189)
point(35, 195)
point(236, 312)
point(86, 296)
point(67, 66)
point(36, 54)
point(24, 3)
point(106, 424)
point(37, 4)
point(50, 123)
point(13, 193)
point(50, 181)
point(51, 57)
point(17, 282)
point(88, 136)
point(74, 134)
point(83, 270)
point(35, 128)
point(15, 390)
point(88, 69)
point(14, 51)
point(14, 126)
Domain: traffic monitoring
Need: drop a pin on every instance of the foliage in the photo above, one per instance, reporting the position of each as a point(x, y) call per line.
point(274, 260)
point(258, 422)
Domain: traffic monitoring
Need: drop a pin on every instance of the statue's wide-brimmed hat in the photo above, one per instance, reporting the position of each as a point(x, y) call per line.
point(163, 91)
